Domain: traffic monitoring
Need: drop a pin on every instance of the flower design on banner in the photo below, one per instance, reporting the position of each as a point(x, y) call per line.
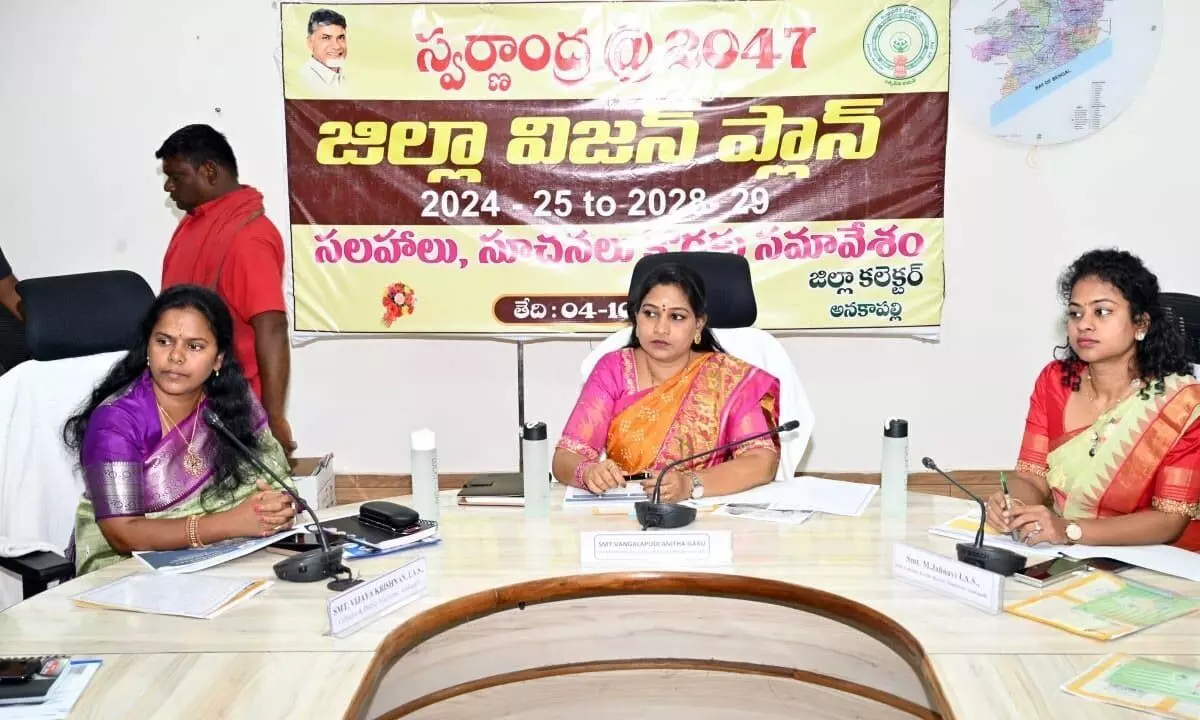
point(398, 300)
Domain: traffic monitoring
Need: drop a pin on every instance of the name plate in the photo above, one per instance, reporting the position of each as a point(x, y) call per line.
point(349, 611)
point(657, 547)
point(968, 584)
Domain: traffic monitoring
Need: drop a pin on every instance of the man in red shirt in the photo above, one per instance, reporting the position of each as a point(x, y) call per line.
point(225, 242)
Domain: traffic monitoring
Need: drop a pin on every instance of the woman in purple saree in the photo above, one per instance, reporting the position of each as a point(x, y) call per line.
point(156, 476)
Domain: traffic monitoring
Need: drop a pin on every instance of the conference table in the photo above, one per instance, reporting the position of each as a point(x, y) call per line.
point(271, 657)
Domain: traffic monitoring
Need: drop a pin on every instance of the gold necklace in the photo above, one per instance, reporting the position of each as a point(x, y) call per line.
point(1096, 437)
point(193, 463)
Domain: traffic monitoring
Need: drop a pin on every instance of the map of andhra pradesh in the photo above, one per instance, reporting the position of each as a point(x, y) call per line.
point(1047, 43)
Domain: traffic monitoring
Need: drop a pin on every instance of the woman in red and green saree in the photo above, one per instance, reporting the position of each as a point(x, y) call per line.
point(1111, 453)
point(673, 392)
point(156, 476)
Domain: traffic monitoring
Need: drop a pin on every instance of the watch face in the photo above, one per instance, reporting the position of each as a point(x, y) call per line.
point(1074, 532)
point(697, 487)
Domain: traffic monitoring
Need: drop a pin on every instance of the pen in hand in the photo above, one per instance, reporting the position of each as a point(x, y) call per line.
point(1008, 504)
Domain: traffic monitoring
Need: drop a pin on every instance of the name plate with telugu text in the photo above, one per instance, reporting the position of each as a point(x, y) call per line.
point(349, 611)
point(967, 584)
point(657, 547)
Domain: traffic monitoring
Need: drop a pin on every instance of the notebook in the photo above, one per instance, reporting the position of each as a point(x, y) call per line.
point(46, 671)
point(374, 536)
point(507, 489)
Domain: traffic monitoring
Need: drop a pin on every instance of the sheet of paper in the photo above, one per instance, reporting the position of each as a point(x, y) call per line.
point(1152, 695)
point(1139, 605)
point(1159, 678)
point(964, 526)
point(194, 596)
point(1104, 606)
point(194, 559)
point(631, 493)
point(764, 511)
point(811, 494)
point(1164, 559)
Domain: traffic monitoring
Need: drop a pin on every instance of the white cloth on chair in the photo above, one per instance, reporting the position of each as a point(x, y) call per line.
point(762, 350)
point(40, 484)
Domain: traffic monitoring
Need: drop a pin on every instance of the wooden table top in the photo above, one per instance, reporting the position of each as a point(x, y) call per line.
point(270, 657)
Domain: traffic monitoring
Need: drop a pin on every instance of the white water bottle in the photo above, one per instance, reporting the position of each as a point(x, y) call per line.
point(535, 472)
point(894, 468)
point(423, 466)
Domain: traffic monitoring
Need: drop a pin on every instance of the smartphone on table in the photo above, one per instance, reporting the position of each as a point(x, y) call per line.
point(1046, 573)
point(1107, 565)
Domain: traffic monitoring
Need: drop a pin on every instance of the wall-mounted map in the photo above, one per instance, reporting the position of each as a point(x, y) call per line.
point(1042, 72)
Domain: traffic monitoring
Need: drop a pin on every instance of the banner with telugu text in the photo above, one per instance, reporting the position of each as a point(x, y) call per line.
point(499, 168)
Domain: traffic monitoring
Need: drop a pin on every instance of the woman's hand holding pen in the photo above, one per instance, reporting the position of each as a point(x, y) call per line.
point(603, 475)
point(997, 512)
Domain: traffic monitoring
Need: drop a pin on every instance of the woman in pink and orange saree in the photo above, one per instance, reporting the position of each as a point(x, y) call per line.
point(156, 476)
point(672, 393)
point(1111, 452)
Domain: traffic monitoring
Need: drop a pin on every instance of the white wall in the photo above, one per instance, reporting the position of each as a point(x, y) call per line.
point(90, 89)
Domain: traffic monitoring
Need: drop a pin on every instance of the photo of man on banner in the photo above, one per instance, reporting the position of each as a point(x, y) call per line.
point(325, 71)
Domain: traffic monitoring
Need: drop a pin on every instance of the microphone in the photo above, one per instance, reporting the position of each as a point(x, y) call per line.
point(653, 513)
point(1001, 561)
point(309, 566)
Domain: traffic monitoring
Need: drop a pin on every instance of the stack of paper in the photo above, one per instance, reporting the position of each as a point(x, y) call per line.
point(1166, 559)
point(764, 511)
point(799, 494)
point(193, 596)
point(354, 551)
point(810, 494)
point(1103, 606)
point(193, 559)
point(1152, 686)
point(629, 494)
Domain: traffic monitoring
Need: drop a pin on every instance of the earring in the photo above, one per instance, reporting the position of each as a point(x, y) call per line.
point(697, 340)
point(217, 372)
point(1140, 337)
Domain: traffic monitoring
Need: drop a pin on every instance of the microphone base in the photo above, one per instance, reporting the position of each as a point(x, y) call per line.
point(1001, 561)
point(665, 516)
point(343, 584)
point(316, 565)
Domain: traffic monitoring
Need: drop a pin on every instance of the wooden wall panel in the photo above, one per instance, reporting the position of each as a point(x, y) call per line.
point(358, 488)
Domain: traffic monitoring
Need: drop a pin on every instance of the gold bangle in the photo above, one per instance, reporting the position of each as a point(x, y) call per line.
point(193, 531)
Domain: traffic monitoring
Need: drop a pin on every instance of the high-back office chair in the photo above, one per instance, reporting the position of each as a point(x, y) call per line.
point(1184, 311)
point(732, 309)
point(13, 349)
point(76, 327)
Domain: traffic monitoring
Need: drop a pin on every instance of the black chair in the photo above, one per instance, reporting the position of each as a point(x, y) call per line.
point(727, 283)
point(69, 316)
point(1184, 311)
point(13, 348)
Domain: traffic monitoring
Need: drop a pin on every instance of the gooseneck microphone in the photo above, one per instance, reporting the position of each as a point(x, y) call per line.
point(309, 566)
point(652, 513)
point(1001, 561)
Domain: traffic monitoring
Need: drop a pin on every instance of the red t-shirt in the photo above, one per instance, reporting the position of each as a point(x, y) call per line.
point(229, 245)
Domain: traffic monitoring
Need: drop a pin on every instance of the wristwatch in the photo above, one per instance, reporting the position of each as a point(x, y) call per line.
point(697, 485)
point(1074, 532)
